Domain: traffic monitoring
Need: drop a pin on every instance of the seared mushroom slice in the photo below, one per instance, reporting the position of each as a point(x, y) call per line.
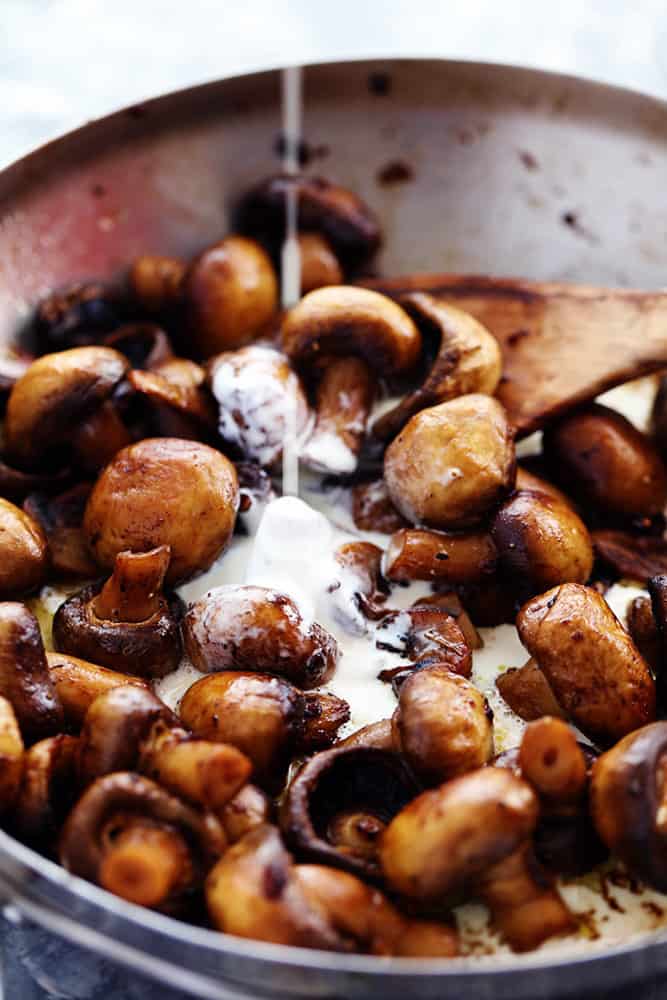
point(426, 635)
point(254, 628)
point(61, 520)
point(23, 552)
point(127, 623)
point(156, 281)
point(337, 805)
point(452, 463)
point(62, 405)
point(372, 509)
point(450, 557)
point(265, 717)
point(468, 360)
point(590, 662)
point(24, 674)
point(605, 461)
point(47, 792)
point(193, 487)
point(643, 629)
point(443, 725)
point(230, 293)
point(322, 207)
point(473, 833)
point(76, 316)
point(628, 802)
point(78, 683)
point(632, 556)
point(260, 399)
point(135, 839)
point(11, 756)
point(526, 690)
point(450, 602)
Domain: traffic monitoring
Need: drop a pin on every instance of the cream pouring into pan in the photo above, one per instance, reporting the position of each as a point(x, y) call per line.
point(500, 163)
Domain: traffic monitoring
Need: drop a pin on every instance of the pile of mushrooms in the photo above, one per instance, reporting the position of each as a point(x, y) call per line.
point(151, 417)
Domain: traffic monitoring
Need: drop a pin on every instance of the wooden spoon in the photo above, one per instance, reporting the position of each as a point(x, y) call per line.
point(562, 344)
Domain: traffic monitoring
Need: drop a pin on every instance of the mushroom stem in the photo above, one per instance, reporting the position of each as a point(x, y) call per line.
point(524, 906)
point(100, 437)
point(133, 593)
point(527, 692)
point(418, 554)
point(344, 399)
point(78, 683)
point(145, 862)
point(551, 760)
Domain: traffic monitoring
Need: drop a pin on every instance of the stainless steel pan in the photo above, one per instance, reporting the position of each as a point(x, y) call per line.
point(509, 171)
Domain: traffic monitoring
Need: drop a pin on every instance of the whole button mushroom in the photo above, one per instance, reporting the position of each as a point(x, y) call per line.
point(23, 552)
point(589, 660)
point(230, 292)
point(452, 463)
point(164, 491)
point(254, 628)
point(259, 398)
point(62, 406)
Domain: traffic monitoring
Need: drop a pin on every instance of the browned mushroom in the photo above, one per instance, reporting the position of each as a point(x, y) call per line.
point(173, 409)
point(643, 629)
point(451, 557)
point(589, 660)
point(131, 837)
point(337, 805)
point(599, 456)
point(195, 490)
point(127, 623)
point(155, 281)
point(247, 810)
point(360, 585)
point(260, 399)
point(76, 316)
point(254, 628)
point(552, 762)
point(526, 690)
point(450, 602)
point(632, 556)
point(61, 519)
point(426, 635)
point(468, 360)
point(628, 802)
point(16, 484)
point(145, 345)
point(343, 401)
point(230, 293)
point(24, 674)
point(378, 735)
point(490, 601)
point(11, 756)
point(62, 405)
point(23, 552)
point(452, 463)
point(78, 683)
point(319, 264)
point(47, 791)
point(657, 588)
point(372, 509)
point(443, 725)
point(474, 833)
point(267, 718)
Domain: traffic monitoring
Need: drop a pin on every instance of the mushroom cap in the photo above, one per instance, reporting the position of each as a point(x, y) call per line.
point(345, 320)
point(446, 837)
point(339, 783)
point(627, 797)
point(23, 552)
point(164, 491)
point(55, 395)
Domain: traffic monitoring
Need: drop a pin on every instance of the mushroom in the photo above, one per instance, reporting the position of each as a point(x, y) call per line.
point(247, 810)
point(145, 345)
point(61, 518)
point(135, 839)
point(267, 718)
point(24, 674)
point(23, 552)
point(527, 692)
point(468, 360)
point(450, 602)
point(450, 557)
point(254, 628)
point(78, 683)
point(359, 592)
point(127, 623)
point(319, 264)
point(452, 463)
point(230, 294)
point(541, 542)
point(76, 316)
point(643, 630)
point(490, 601)
point(605, 461)
point(337, 214)
point(164, 491)
point(260, 400)
point(352, 336)
point(426, 635)
point(155, 280)
point(631, 555)
point(378, 735)
point(337, 805)
point(202, 772)
point(12, 367)
point(372, 509)
point(659, 417)
point(47, 791)
point(16, 484)
point(627, 798)
point(657, 588)
point(11, 756)
point(473, 834)
point(114, 728)
point(442, 726)
point(173, 409)
point(589, 660)
point(63, 405)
